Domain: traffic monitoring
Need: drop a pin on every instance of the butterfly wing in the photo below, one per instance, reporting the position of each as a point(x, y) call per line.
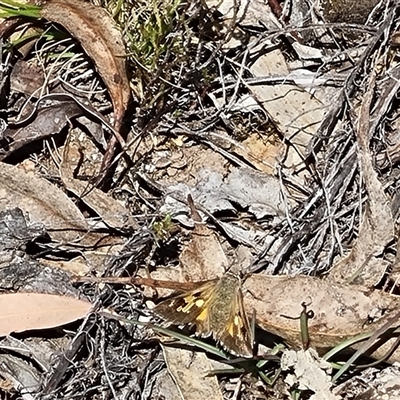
point(215, 307)
point(191, 307)
point(225, 317)
point(237, 336)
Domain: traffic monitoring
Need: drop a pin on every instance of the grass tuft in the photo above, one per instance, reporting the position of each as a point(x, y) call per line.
point(10, 9)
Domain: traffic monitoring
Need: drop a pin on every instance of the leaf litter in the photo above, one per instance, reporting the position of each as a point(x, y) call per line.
point(321, 203)
point(95, 30)
point(309, 373)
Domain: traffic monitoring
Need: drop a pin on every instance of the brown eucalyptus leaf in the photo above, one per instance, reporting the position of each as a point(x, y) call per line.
point(27, 77)
point(49, 120)
point(341, 311)
point(203, 255)
point(95, 30)
point(27, 311)
point(44, 203)
point(202, 258)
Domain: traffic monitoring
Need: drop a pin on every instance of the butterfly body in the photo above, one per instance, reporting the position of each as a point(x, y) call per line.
point(215, 308)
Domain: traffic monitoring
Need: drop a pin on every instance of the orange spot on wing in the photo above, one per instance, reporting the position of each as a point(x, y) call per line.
point(203, 315)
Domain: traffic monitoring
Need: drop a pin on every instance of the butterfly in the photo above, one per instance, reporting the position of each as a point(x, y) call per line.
point(215, 307)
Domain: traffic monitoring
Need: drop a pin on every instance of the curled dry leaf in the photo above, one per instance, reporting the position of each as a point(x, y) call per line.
point(95, 29)
point(202, 258)
point(27, 311)
point(203, 254)
point(307, 371)
point(364, 265)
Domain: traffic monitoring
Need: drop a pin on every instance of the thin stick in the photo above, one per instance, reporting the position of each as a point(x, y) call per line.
point(138, 281)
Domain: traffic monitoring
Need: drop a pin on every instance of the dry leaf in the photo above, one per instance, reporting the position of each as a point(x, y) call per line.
point(48, 205)
point(363, 265)
point(61, 218)
point(203, 255)
point(202, 258)
point(189, 371)
point(296, 113)
point(20, 375)
point(341, 311)
point(309, 373)
point(45, 203)
point(257, 191)
point(27, 77)
point(95, 30)
point(27, 311)
point(48, 121)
